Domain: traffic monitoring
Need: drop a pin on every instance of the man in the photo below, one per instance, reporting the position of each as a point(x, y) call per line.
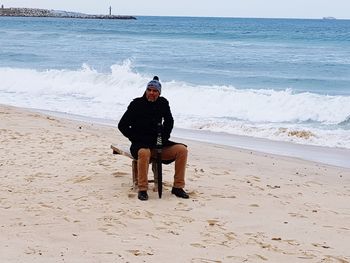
point(140, 125)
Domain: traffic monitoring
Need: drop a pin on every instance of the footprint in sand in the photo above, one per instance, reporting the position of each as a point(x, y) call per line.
point(82, 179)
point(292, 242)
point(183, 207)
point(297, 215)
point(198, 245)
point(223, 196)
point(340, 259)
point(320, 245)
point(120, 174)
point(137, 252)
point(204, 260)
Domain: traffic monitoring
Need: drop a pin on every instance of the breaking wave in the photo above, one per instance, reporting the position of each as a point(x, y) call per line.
point(263, 113)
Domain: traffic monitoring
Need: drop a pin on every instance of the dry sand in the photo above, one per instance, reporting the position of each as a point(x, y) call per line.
point(66, 198)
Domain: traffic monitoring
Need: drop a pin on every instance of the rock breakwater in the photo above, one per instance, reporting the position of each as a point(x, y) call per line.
point(35, 12)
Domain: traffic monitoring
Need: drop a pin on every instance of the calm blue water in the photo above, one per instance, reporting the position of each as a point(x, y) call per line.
point(305, 55)
point(257, 77)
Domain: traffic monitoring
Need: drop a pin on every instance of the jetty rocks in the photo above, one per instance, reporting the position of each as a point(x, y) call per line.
point(35, 12)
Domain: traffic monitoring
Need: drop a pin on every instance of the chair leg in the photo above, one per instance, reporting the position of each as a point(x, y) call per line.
point(134, 174)
point(155, 175)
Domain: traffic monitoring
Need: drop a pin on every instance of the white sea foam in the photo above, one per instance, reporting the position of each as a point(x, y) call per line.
point(279, 115)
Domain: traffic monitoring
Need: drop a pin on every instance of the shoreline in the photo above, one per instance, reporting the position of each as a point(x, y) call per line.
point(321, 154)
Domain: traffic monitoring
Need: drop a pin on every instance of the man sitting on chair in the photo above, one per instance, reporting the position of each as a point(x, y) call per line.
point(139, 124)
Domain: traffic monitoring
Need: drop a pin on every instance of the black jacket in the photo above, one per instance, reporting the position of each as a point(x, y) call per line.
point(140, 123)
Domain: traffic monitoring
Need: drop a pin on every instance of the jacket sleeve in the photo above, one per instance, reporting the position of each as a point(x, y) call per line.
point(125, 123)
point(168, 123)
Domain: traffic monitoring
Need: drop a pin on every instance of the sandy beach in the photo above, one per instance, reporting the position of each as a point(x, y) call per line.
point(66, 198)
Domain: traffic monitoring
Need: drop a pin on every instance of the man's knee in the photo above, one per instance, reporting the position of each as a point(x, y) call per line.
point(144, 153)
point(181, 149)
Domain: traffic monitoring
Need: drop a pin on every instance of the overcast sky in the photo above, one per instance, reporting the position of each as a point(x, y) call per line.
point(218, 8)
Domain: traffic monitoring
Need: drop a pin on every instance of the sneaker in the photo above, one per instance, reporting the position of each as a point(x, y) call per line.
point(179, 192)
point(143, 196)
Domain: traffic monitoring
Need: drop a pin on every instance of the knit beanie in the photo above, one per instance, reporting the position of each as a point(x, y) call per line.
point(154, 83)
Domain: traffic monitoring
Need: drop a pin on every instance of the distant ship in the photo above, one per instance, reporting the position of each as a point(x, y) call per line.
point(329, 18)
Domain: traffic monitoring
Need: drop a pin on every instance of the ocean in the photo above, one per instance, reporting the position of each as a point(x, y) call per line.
point(278, 79)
